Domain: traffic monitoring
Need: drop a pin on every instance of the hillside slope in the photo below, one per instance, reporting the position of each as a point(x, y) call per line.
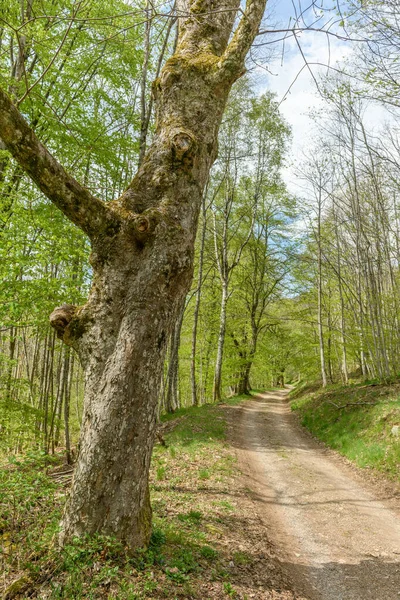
point(362, 422)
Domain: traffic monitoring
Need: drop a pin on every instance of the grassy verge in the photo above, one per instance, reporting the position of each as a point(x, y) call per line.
point(360, 421)
point(194, 504)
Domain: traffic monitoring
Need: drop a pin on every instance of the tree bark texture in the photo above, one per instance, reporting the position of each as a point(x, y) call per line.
point(142, 259)
point(320, 324)
point(220, 345)
point(172, 401)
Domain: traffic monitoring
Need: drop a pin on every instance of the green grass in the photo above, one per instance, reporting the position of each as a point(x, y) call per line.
point(356, 421)
point(186, 539)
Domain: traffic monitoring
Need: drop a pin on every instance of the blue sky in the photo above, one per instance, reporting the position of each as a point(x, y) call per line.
point(281, 70)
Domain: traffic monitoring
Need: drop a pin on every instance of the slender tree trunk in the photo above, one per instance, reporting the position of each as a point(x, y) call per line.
point(57, 403)
point(11, 353)
point(220, 344)
point(35, 365)
point(67, 404)
point(205, 370)
point(195, 399)
point(320, 325)
point(329, 342)
point(344, 370)
point(172, 393)
point(63, 387)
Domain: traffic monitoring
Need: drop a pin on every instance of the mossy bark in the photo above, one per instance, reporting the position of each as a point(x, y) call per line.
point(142, 259)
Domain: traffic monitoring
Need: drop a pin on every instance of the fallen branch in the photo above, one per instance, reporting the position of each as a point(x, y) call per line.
point(340, 407)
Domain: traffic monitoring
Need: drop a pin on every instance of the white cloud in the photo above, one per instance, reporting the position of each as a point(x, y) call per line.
point(303, 97)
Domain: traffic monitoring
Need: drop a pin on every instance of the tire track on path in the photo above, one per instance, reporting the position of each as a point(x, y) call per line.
point(335, 537)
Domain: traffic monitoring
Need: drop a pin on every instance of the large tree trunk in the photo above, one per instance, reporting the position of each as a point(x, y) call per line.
point(243, 385)
point(247, 358)
point(142, 271)
point(142, 262)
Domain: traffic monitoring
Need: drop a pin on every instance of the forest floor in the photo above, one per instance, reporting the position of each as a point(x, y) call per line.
point(337, 527)
point(208, 542)
point(246, 505)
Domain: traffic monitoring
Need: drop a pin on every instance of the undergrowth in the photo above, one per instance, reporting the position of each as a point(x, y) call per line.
point(185, 547)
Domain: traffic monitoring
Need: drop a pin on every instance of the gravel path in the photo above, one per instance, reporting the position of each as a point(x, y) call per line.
point(337, 537)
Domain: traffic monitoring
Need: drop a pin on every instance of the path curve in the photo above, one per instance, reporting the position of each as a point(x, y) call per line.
point(338, 540)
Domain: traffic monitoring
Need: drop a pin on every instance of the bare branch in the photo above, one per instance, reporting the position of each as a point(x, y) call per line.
point(294, 30)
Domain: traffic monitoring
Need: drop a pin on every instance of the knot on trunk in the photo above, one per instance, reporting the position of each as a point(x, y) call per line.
point(183, 144)
point(61, 317)
point(141, 224)
point(144, 224)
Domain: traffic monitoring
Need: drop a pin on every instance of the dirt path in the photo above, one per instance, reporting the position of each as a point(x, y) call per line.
point(337, 539)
